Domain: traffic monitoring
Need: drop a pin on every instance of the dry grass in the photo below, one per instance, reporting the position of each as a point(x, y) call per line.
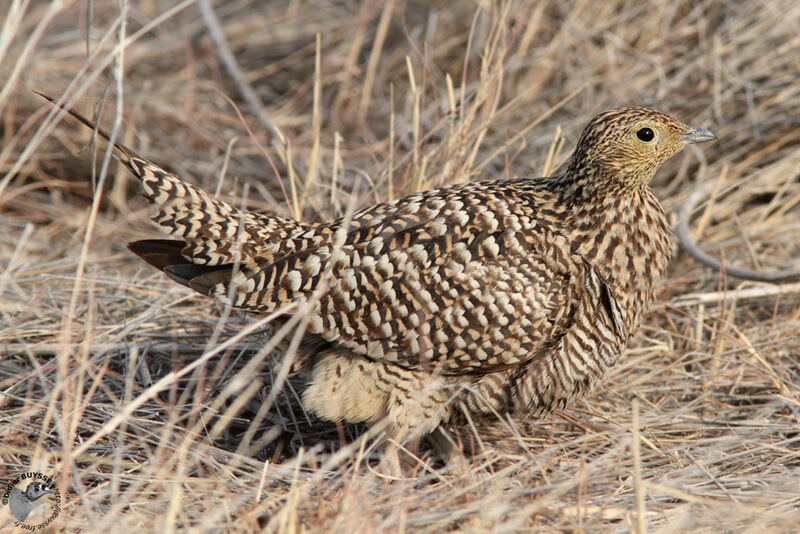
point(112, 382)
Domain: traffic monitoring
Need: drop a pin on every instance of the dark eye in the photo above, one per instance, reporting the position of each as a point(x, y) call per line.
point(646, 135)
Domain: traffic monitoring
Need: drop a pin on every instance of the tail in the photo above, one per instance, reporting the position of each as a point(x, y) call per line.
point(126, 153)
point(211, 234)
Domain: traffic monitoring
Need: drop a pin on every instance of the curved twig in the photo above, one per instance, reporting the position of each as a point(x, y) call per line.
point(784, 275)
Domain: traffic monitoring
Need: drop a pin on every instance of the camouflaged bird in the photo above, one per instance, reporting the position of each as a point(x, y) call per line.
point(491, 296)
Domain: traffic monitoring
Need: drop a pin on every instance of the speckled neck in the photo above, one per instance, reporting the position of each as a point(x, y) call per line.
point(619, 228)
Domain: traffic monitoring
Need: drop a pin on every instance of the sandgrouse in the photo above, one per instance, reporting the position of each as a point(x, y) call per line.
point(487, 296)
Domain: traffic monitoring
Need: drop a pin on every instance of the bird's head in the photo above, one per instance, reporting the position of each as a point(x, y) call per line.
point(628, 145)
point(35, 490)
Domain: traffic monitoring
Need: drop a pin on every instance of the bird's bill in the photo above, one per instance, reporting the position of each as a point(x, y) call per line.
point(698, 135)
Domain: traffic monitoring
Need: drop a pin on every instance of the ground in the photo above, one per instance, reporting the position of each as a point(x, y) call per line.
point(153, 407)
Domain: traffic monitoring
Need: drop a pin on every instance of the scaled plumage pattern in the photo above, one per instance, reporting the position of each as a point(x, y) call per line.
point(491, 296)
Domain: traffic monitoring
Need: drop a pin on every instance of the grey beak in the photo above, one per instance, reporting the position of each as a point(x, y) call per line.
point(698, 135)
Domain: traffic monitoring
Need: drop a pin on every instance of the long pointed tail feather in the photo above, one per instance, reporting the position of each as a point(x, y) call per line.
point(127, 153)
point(180, 209)
point(212, 235)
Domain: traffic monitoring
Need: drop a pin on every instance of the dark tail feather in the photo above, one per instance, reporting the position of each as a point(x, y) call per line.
point(165, 255)
point(126, 152)
point(184, 201)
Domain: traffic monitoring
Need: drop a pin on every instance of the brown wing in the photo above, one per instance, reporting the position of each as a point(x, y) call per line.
point(467, 278)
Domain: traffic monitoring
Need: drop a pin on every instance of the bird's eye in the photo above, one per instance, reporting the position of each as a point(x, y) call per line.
point(646, 135)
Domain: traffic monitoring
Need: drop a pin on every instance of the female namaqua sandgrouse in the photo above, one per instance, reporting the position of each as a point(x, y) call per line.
point(487, 296)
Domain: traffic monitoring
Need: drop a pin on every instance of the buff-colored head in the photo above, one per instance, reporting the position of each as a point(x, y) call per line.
point(628, 145)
